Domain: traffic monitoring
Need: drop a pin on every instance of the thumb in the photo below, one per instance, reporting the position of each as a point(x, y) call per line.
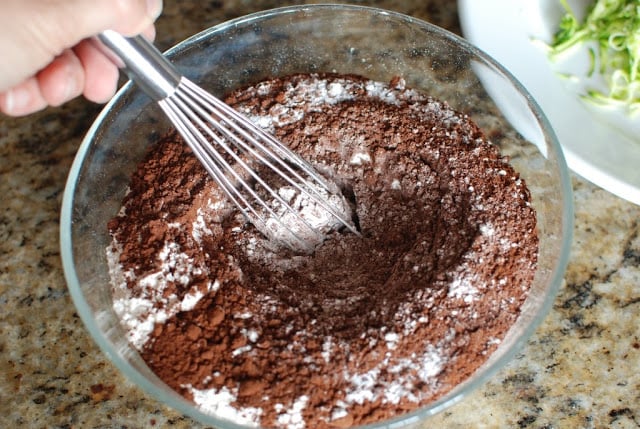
point(34, 32)
point(89, 17)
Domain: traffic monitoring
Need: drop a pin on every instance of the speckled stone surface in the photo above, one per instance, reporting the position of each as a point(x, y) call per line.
point(581, 369)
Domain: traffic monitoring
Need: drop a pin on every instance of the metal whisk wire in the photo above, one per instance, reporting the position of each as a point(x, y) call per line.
point(191, 109)
point(228, 144)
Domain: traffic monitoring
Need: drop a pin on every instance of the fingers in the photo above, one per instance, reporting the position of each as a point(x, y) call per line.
point(23, 99)
point(100, 74)
point(55, 25)
point(62, 80)
point(83, 70)
point(149, 33)
point(51, 47)
point(34, 32)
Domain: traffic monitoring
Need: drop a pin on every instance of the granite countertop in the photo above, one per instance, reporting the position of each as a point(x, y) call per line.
point(580, 369)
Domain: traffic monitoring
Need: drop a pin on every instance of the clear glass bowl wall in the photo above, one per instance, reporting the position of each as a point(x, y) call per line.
point(343, 39)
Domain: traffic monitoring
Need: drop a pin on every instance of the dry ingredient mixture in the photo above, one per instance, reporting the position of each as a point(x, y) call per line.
point(364, 328)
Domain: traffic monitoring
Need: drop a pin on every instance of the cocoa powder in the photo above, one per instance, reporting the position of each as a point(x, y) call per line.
point(363, 329)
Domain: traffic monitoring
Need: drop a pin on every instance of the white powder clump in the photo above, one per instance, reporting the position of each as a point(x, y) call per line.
point(306, 224)
point(335, 90)
point(463, 288)
point(360, 158)
point(221, 403)
point(304, 97)
point(487, 230)
point(392, 339)
point(382, 92)
point(251, 334)
point(139, 317)
point(430, 364)
point(241, 350)
point(190, 300)
point(338, 413)
point(409, 372)
point(199, 227)
point(141, 312)
point(327, 345)
point(292, 418)
point(363, 386)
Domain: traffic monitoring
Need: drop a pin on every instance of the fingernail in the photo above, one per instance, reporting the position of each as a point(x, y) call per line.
point(154, 8)
point(16, 100)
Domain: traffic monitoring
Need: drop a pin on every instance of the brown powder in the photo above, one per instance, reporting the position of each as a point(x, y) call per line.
point(365, 328)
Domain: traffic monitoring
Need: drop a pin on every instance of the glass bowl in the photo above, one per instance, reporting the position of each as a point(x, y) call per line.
point(365, 41)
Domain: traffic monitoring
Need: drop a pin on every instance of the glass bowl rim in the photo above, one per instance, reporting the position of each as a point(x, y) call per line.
point(479, 378)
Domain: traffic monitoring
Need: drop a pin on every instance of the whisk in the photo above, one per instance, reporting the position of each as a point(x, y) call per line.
point(289, 202)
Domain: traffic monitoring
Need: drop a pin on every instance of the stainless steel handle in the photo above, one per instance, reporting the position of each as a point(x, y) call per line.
point(142, 62)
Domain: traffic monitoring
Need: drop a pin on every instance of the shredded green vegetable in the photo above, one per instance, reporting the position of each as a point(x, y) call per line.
point(614, 26)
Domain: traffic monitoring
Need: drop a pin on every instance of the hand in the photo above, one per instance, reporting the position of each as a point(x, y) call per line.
point(46, 57)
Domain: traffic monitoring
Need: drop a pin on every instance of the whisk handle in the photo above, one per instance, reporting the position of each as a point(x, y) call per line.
point(143, 63)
